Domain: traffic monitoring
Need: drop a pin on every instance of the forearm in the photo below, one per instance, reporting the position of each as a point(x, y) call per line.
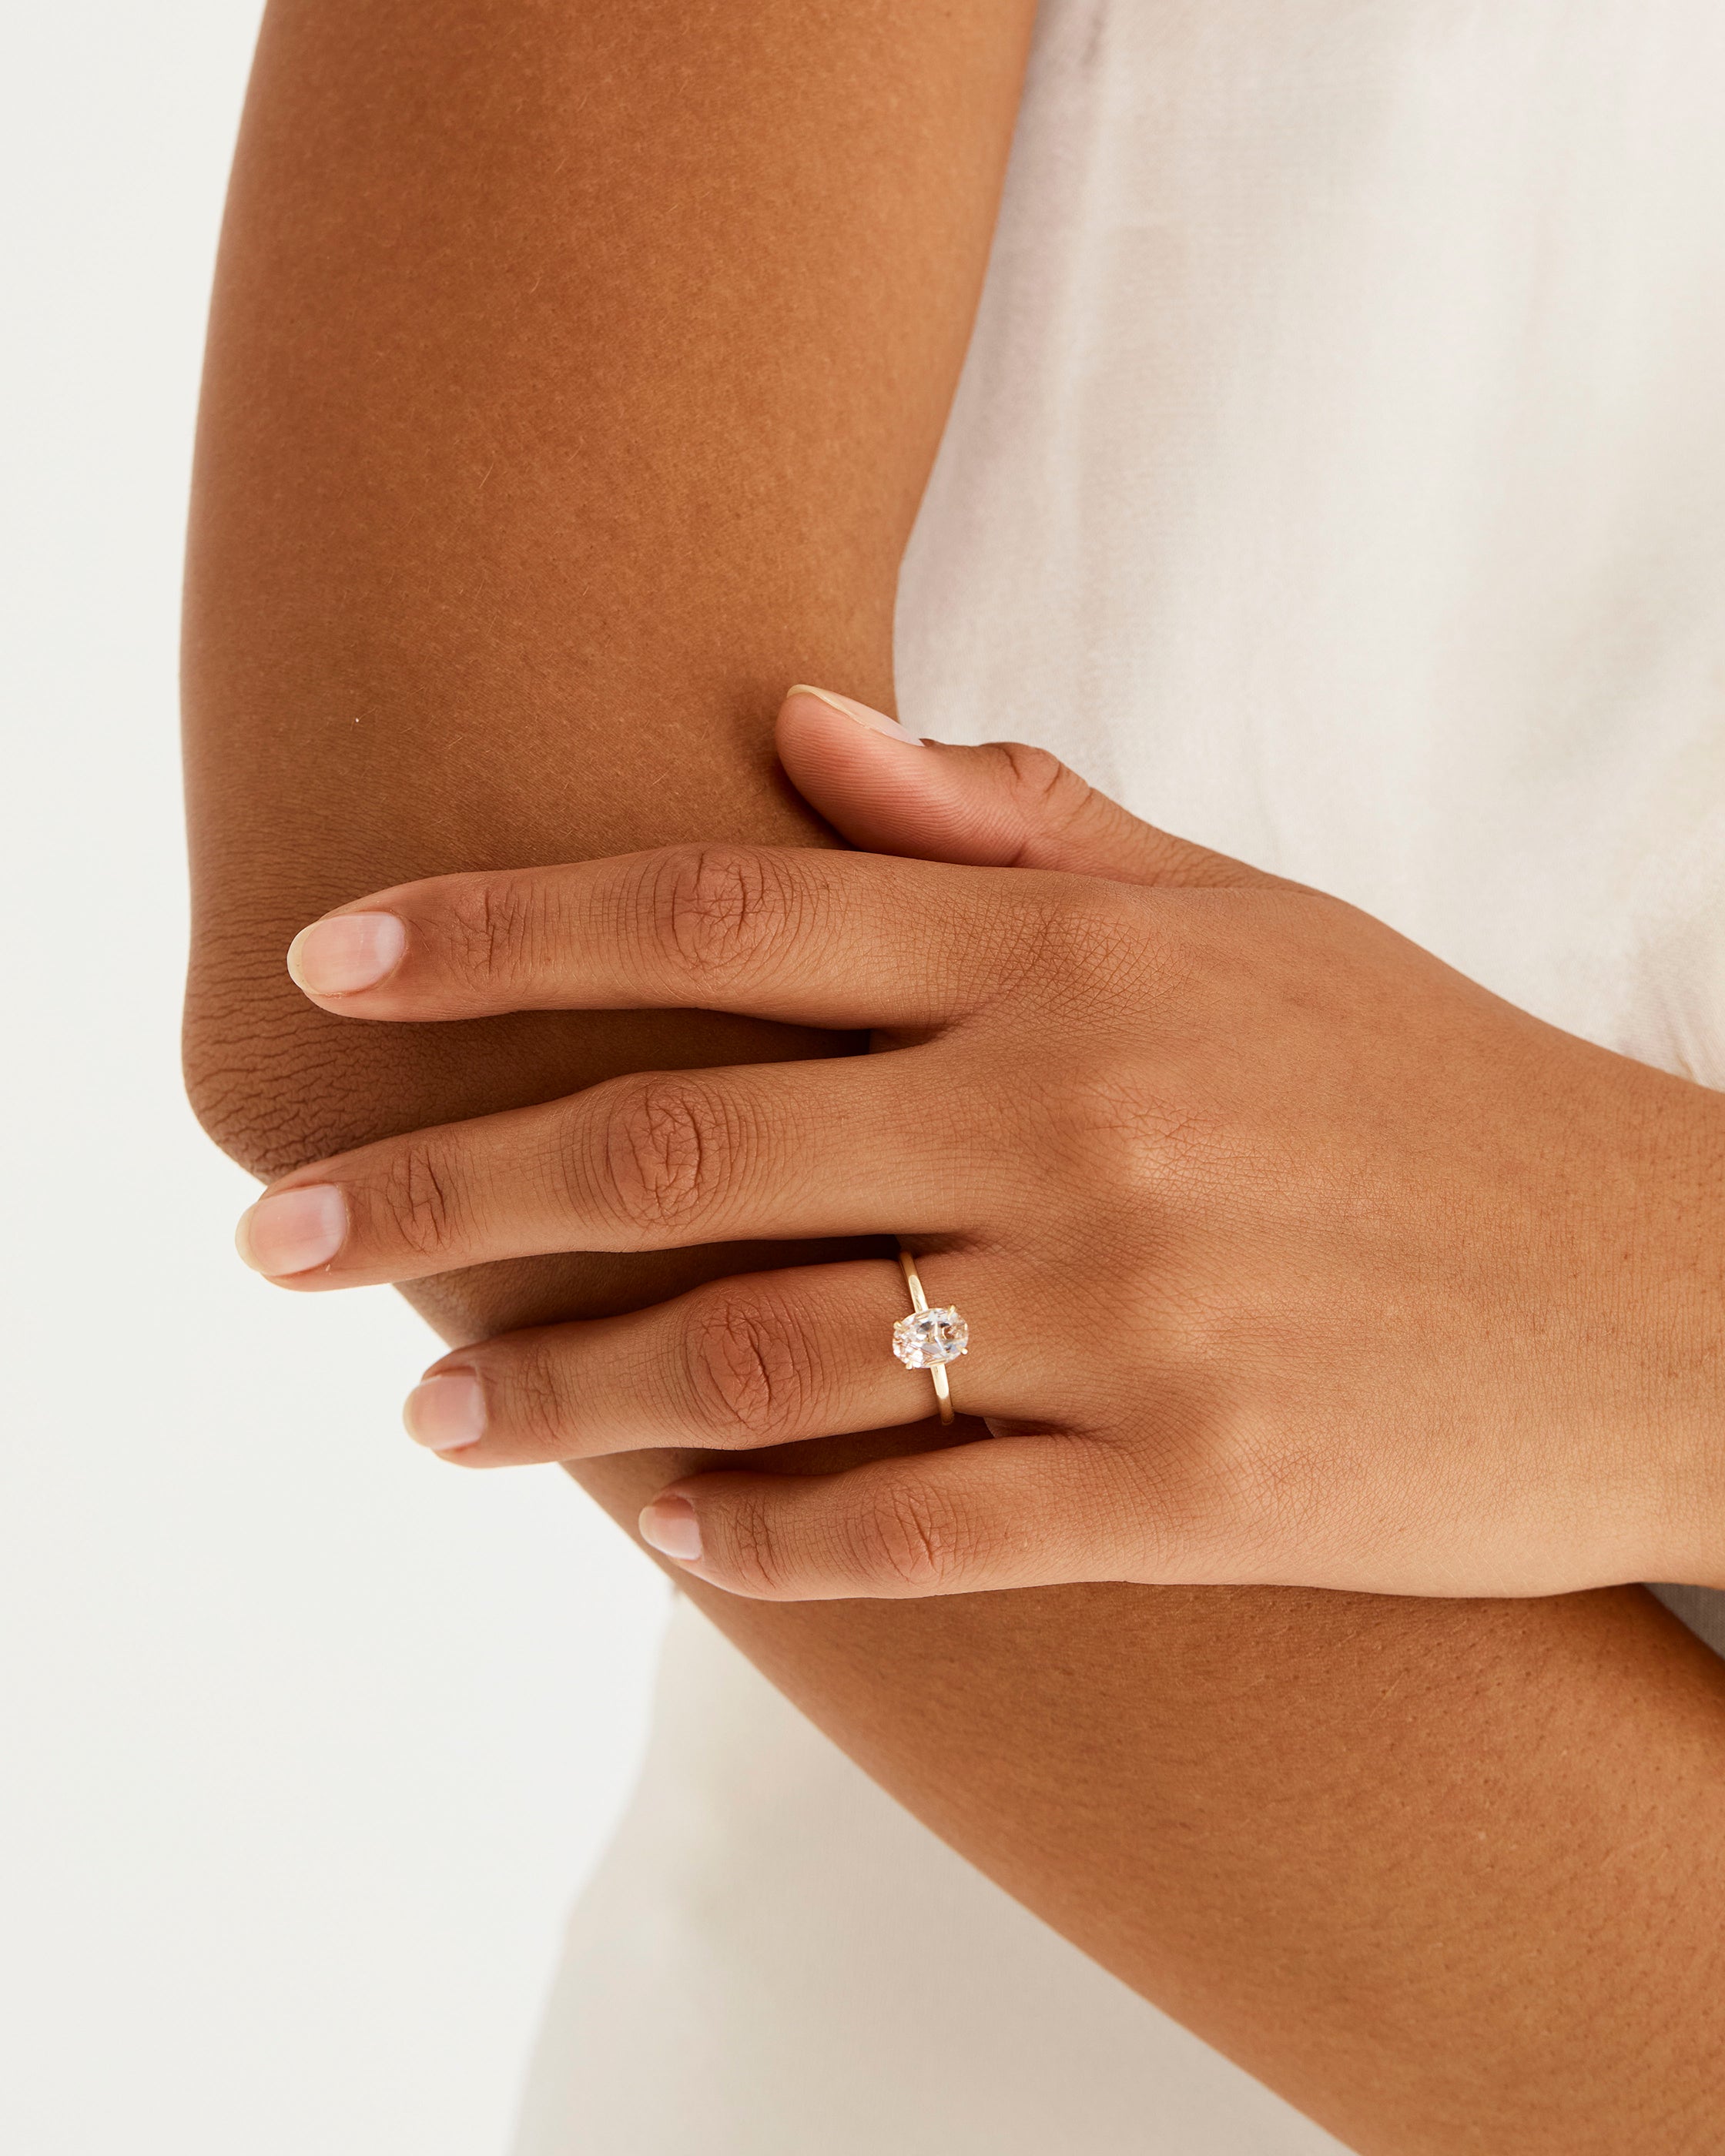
point(573, 379)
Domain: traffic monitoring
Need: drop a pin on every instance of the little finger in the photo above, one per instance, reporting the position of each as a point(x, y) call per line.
point(1007, 1512)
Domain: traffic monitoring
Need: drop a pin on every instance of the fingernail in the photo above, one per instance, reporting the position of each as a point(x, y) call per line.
point(293, 1230)
point(347, 953)
point(877, 721)
point(446, 1413)
point(668, 1525)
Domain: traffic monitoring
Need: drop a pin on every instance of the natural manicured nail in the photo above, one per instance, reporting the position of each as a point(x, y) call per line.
point(446, 1413)
point(876, 722)
point(668, 1525)
point(293, 1230)
point(347, 953)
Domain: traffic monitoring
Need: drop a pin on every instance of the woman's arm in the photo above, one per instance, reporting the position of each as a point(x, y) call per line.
point(575, 372)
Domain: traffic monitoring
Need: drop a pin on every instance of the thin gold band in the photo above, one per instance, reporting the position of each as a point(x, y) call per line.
point(919, 1302)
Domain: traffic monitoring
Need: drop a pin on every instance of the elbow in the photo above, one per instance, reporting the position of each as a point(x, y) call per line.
point(273, 1082)
point(277, 1084)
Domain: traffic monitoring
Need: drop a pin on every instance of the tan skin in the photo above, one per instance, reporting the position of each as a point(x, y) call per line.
point(574, 375)
point(1399, 1288)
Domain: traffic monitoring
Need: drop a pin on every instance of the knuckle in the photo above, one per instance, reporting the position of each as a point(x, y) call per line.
point(1107, 1127)
point(493, 926)
point(1158, 1497)
point(1073, 949)
point(714, 910)
point(661, 1150)
point(1100, 941)
point(753, 1557)
point(533, 1397)
point(1160, 1151)
point(419, 1197)
point(910, 1535)
point(1043, 788)
point(750, 1368)
point(1226, 1496)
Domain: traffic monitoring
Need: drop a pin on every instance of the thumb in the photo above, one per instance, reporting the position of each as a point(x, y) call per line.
point(1000, 806)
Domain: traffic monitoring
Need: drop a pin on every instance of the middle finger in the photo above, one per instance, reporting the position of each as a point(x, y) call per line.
point(655, 1161)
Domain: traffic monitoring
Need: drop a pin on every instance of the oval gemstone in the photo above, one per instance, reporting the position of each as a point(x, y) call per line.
point(930, 1335)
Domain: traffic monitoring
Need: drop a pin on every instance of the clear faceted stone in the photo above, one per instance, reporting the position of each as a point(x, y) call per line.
point(930, 1335)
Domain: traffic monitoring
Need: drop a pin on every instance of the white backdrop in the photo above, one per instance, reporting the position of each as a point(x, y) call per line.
point(307, 1738)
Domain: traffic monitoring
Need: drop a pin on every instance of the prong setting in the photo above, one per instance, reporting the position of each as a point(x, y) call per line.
point(928, 1337)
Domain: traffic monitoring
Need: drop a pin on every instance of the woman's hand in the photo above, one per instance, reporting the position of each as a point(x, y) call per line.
point(1287, 1253)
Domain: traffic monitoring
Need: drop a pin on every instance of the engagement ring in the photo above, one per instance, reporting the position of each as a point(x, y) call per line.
point(928, 1339)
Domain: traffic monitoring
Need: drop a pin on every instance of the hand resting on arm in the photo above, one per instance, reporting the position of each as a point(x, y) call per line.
point(574, 375)
point(1288, 1254)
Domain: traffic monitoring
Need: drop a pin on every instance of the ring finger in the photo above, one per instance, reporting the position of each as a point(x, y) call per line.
point(760, 1359)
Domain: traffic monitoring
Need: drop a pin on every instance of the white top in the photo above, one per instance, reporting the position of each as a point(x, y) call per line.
point(1336, 477)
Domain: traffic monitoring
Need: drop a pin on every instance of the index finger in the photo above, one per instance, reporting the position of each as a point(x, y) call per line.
point(812, 937)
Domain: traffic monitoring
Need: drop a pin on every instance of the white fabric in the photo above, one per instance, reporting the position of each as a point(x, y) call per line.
point(1336, 477)
point(775, 1959)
